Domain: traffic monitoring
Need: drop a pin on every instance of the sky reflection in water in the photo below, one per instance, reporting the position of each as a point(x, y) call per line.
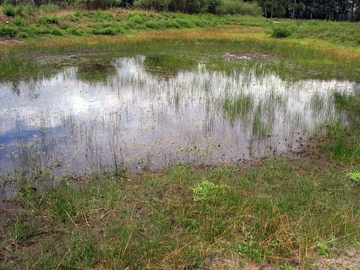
point(148, 120)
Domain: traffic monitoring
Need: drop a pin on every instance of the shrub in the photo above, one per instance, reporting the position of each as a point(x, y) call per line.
point(171, 24)
point(7, 31)
point(74, 31)
point(102, 16)
point(48, 20)
point(201, 23)
point(184, 23)
point(19, 10)
point(89, 14)
point(123, 30)
point(72, 18)
point(135, 19)
point(357, 39)
point(23, 35)
point(8, 10)
point(106, 31)
point(153, 25)
point(20, 22)
point(57, 32)
point(281, 32)
point(35, 30)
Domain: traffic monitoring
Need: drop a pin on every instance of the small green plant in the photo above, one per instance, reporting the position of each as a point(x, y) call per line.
point(21, 230)
point(191, 224)
point(8, 10)
point(153, 25)
point(136, 18)
point(17, 230)
point(355, 176)
point(259, 127)
point(322, 248)
point(7, 31)
point(101, 16)
point(48, 20)
point(206, 191)
point(57, 32)
point(72, 18)
point(286, 267)
point(252, 250)
point(281, 32)
point(20, 22)
point(238, 106)
point(19, 10)
point(64, 210)
point(106, 31)
point(74, 31)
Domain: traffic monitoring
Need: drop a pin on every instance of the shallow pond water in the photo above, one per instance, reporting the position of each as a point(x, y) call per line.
point(91, 116)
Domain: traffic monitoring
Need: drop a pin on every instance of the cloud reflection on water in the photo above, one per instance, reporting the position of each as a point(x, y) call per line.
point(152, 121)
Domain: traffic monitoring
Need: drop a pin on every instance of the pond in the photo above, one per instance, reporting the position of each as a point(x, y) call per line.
point(138, 114)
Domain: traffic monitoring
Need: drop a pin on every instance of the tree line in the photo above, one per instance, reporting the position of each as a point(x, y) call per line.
point(335, 10)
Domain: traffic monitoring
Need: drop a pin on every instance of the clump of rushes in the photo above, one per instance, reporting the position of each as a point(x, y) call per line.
point(342, 143)
point(181, 216)
point(238, 106)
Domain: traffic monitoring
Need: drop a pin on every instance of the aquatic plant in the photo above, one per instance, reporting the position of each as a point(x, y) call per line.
point(238, 106)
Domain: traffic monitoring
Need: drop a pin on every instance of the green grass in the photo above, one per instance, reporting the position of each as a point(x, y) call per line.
point(238, 106)
point(345, 33)
point(289, 61)
point(343, 143)
point(181, 216)
point(119, 19)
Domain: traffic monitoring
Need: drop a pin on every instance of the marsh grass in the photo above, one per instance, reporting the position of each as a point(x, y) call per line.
point(184, 50)
point(182, 216)
point(343, 142)
point(168, 64)
point(238, 106)
point(260, 128)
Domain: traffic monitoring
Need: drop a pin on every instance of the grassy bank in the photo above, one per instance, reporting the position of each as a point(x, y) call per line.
point(61, 23)
point(281, 212)
point(48, 21)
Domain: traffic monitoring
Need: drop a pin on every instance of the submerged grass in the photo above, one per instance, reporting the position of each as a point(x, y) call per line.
point(289, 61)
point(343, 142)
point(238, 106)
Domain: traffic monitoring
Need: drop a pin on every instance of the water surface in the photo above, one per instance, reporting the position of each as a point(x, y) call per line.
point(126, 112)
